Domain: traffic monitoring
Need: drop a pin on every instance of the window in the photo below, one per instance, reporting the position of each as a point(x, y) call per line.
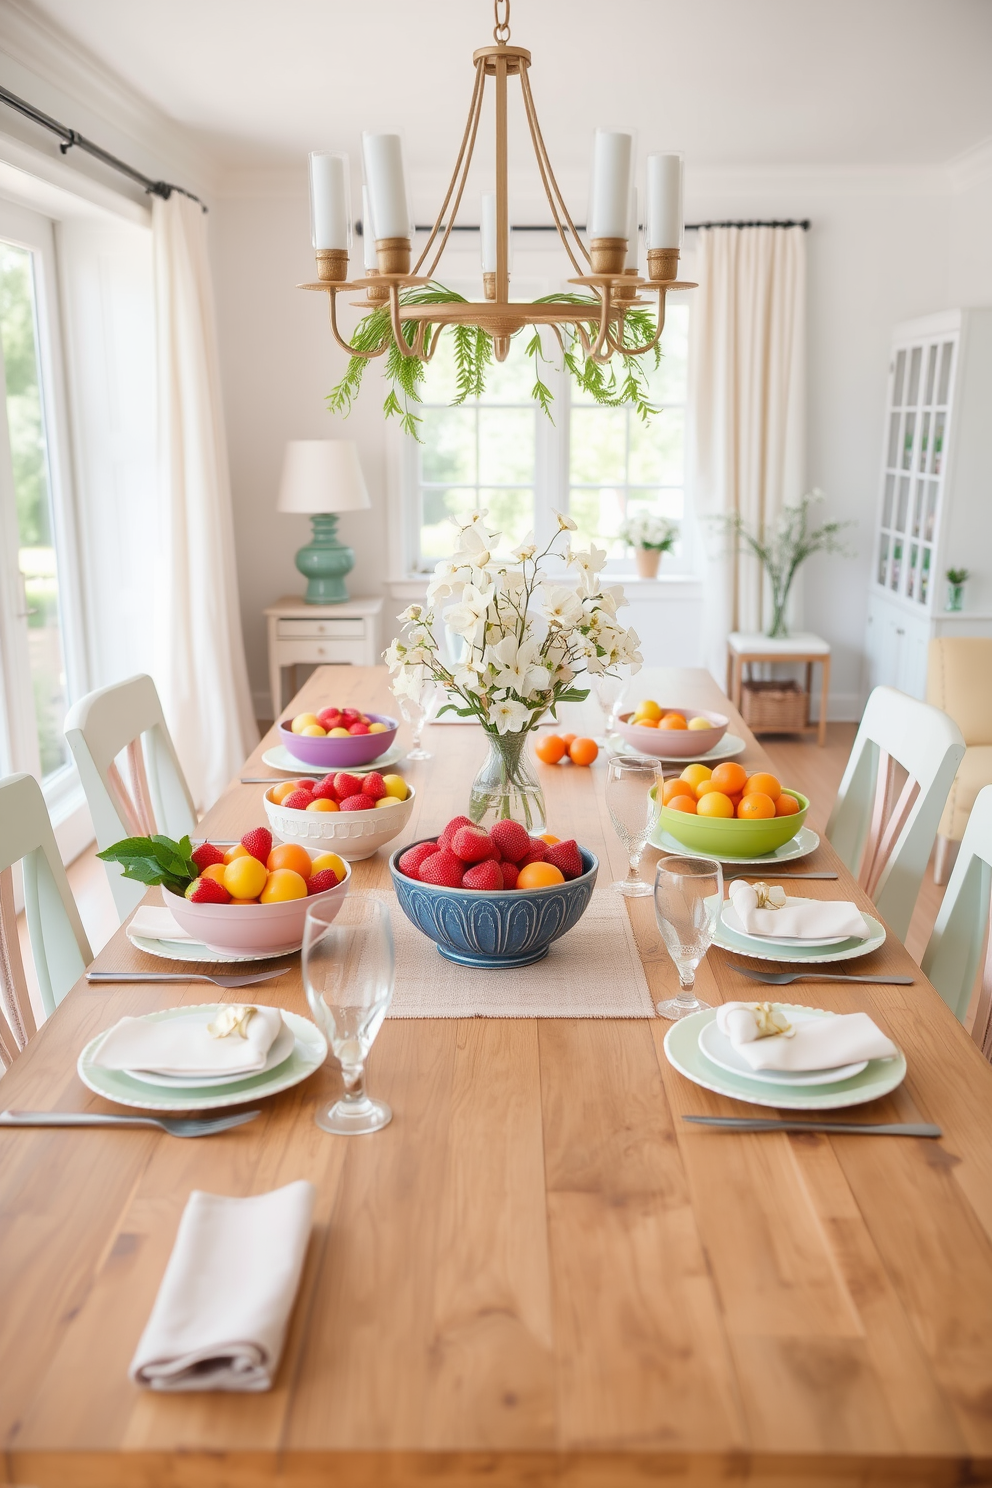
point(501, 452)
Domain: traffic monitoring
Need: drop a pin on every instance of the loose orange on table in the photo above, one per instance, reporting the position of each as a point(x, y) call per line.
point(761, 780)
point(673, 788)
point(683, 803)
point(539, 876)
point(756, 807)
point(550, 748)
point(729, 777)
point(786, 805)
point(583, 751)
point(714, 803)
point(568, 740)
point(290, 855)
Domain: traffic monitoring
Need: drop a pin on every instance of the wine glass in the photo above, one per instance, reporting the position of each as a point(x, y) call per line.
point(688, 897)
point(633, 811)
point(610, 693)
point(418, 711)
point(348, 970)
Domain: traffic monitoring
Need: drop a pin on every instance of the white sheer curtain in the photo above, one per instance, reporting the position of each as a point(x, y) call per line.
point(200, 658)
point(747, 400)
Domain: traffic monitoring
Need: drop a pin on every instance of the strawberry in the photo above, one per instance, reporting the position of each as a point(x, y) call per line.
point(325, 790)
point(373, 785)
point(258, 842)
point(509, 872)
point(360, 802)
point(299, 800)
point(319, 883)
point(347, 785)
point(444, 840)
point(511, 839)
point(305, 784)
point(485, 876)
point(350, 716)
point(411, 860)
point(328, 717)
point(208, 891)
point(358, 728)
point(442, 869)
point(565, 856)
point(471, 844)
point(206, 855)
point(535, 853)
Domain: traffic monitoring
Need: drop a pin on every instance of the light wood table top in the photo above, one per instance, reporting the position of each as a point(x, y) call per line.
point(536, 1274)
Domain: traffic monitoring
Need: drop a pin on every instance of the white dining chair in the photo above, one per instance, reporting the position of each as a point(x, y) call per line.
point(127, 719)
point(887, 846)
point(955, 947)
point(59, 947)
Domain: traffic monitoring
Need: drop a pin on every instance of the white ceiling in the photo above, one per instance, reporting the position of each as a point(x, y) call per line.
point(796, 82)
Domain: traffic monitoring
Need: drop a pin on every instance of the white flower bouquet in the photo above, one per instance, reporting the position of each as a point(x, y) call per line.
point(523, 639)
point(648, 530)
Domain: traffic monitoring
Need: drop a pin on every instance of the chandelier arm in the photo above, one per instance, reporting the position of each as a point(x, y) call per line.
point(471, 131)
point(405, 347)
point(622, 350)
point(603, 335)
point(551, 188)
point(474, 110)
point(345, 345)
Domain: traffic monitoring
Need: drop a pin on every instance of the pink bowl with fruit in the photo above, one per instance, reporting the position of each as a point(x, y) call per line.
point(325, 752)
point(246, 929)
point(682, 743)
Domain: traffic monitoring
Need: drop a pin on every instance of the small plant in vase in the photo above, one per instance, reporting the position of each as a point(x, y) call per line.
point(956, 580)
point(526, 637)
point(784, 547)
point(649, 535)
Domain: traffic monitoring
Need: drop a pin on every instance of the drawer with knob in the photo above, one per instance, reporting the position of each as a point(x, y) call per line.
point(305, 630)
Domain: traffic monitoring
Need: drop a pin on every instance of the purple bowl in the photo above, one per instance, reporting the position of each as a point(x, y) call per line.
point(340, 754)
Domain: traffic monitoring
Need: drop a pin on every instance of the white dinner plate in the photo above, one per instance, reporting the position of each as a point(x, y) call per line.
point(760, 948)
point(732, 920)
point(683, 1052)
point(282, 1046)
point(309, 1053)
point(728, 746)
point(800, 846)
point(720, 1051)
point(193, 951)
point(279, 758)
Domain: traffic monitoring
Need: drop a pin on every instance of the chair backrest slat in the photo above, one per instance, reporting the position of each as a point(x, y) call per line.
point(17, 1024)
point(954, 950)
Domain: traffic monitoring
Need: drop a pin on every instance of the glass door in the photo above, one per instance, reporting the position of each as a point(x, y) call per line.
point(38, 641)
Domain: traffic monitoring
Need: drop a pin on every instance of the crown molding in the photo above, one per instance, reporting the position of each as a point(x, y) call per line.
point(57, 74)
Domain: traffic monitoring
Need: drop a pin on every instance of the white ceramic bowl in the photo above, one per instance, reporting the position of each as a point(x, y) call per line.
point(351, 834)
point(240, 929)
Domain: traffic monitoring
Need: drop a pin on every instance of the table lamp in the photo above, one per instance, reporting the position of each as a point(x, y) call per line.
point(323, 477)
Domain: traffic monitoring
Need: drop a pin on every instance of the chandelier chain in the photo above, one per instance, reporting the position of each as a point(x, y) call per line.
point(501, 31)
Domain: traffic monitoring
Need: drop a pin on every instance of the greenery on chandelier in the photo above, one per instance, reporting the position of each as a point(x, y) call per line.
point(473, 354)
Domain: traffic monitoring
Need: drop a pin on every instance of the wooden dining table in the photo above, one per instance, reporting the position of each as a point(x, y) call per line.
point(538, 1273)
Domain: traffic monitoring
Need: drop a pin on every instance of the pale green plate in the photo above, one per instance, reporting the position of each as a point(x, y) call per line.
point(760, 948)
point(683, 1051)
point(309, 1055)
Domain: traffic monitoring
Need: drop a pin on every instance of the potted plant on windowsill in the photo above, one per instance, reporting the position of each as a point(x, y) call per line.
point(649, 535)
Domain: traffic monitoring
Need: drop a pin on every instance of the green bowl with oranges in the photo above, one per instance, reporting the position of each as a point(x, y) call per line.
point(728, 836)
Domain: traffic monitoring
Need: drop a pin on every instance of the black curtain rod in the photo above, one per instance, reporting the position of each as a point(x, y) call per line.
point(70, 138)
point(541, 227)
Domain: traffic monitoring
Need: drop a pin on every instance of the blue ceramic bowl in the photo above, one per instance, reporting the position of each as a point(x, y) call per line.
point(511, 927)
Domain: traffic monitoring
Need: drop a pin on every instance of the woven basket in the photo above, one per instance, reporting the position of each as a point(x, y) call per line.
point(774, 707)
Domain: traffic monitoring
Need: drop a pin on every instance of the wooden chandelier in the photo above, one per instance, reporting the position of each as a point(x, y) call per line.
point(613, 289)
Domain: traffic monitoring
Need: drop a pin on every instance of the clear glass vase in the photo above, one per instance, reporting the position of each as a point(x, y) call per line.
point(506, 786)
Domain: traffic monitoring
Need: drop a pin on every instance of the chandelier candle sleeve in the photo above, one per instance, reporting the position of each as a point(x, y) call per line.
point(387, 186)
point(663, 220)
point(610, 198)
point(330, 219)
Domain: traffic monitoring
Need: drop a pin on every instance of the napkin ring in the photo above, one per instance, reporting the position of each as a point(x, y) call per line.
point(232, 1019)
point(771, 1020)
point(770, 896)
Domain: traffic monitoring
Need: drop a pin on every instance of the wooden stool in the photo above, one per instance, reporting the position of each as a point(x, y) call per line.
point(804, 647)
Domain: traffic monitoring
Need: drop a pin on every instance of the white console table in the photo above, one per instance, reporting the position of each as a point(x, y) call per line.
point(321, 635)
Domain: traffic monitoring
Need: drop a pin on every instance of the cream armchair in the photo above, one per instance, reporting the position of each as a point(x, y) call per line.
point(959, 681)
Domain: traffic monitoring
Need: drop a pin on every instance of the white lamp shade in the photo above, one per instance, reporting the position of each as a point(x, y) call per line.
point(322, 475)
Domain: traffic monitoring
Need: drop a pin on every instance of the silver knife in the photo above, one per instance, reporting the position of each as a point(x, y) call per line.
point(845, 1128)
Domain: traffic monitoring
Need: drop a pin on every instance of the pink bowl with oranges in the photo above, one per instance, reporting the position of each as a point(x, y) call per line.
point(253, 929)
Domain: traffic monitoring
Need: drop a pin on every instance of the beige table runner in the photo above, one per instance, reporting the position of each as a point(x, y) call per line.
point(594, 971)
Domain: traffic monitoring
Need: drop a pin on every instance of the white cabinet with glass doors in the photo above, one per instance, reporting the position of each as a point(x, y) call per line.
point(936, 501)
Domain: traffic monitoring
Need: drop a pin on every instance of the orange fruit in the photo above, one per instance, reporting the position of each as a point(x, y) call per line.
point(216, 870)
point(237, 851)
point(714, 803)
point(647, 723)
point(549, 838)
point(761, 781)
point(539, 876)
point(672, 721)
point(242, 901)
point(244, 878)
point(550, 748)
point(706, 786)
point(736, 800)
point(283, 884)
point(696, 774)
point(729, 777)
point(683, 803)
point(786, 805)
point(290, 855)
point(583, 751)
point(323, 804)
point(333, 862)
point(278, 793)
point(756, 807)
point(648, 710)
point(675, 788)
point(568, 740)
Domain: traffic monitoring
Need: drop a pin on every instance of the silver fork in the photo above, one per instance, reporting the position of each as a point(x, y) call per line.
point(204, 1126)
point(237, 980)
point(783, 978)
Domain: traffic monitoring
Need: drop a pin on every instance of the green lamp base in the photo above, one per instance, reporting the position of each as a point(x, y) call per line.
point(324, 562)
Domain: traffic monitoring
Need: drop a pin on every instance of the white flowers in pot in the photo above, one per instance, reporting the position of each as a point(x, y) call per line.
point(649, 535)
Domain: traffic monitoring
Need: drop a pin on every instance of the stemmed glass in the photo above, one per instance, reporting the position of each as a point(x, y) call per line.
point(348, 969)
point(418, 711)
point(610, 693)
point(633, 811)
point(688, 897)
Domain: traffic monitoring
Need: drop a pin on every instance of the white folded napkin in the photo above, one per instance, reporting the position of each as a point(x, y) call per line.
point(798, 919)
point(154, 923)
point(220, 1316)
point(812, 1044)
point(183, 1046)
